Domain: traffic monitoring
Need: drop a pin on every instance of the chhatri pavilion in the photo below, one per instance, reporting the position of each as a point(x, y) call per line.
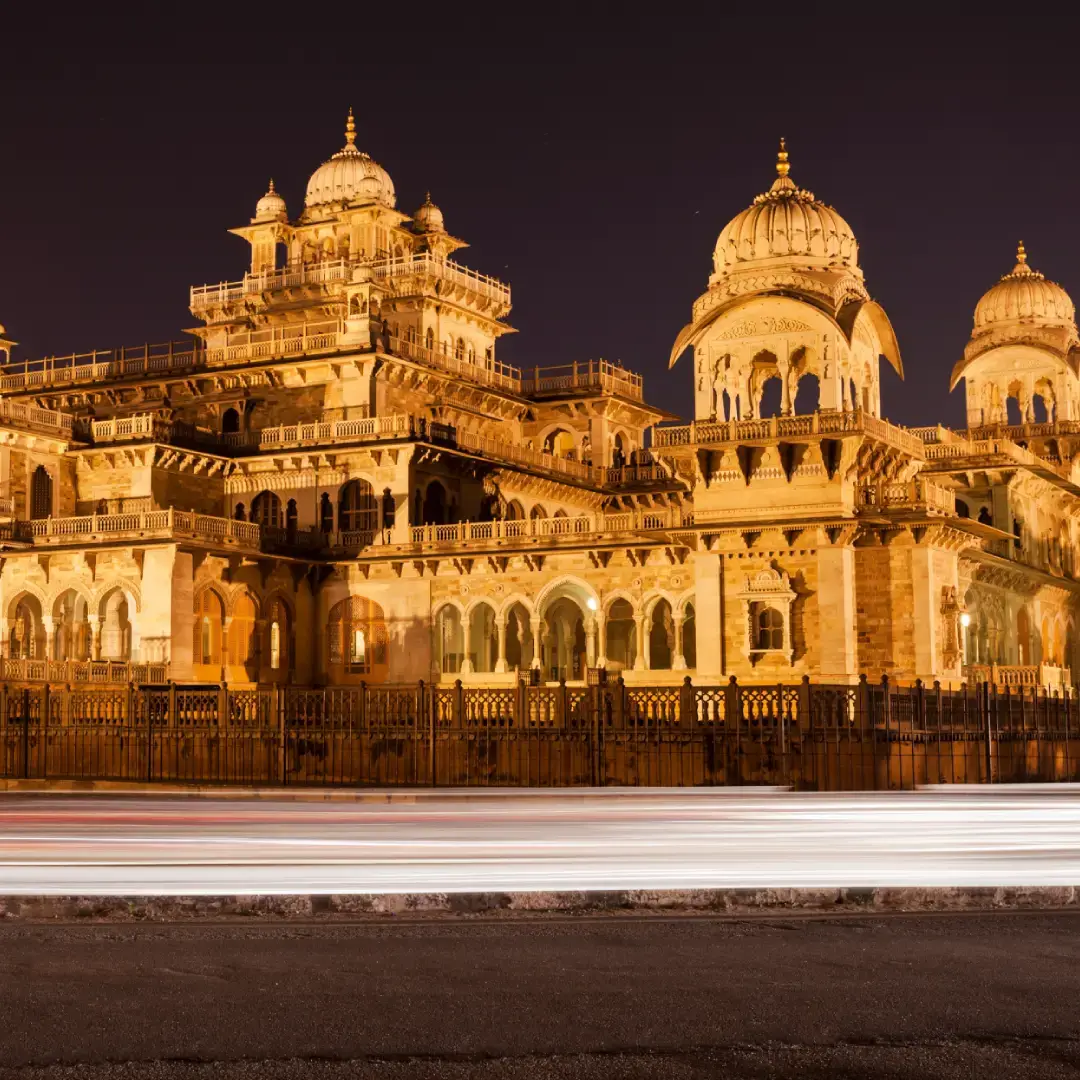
point(336, 479)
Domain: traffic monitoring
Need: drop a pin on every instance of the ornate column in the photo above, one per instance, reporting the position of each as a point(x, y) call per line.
point(225, 624)
point(640, 663)
point(678, 661)
point(601, 639)
point(500, 631)
point(785, 387)
point(94, 622)
point(536, 623)
point(466, 636)
point(590, 642)
point(50, 643)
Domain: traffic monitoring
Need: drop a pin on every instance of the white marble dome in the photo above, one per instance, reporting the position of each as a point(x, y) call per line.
point(1024, 295)
point(786, 221)
point(271, 207)
point(350, 176)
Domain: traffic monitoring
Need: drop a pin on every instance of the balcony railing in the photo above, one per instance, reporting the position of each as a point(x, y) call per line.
point(290, 339)
point(913, 495)
point(1047, 675)
point(502, 376)
point(166, 523)
point(396, 426)
point(204, 297)
point(97, 367)
point(30, 416)
point(592, 375)
point(599, 524)
point(787, 427)
point(81, 672)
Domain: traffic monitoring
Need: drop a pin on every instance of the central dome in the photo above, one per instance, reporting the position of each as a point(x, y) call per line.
point(350, 176)
point(786, 222)
point(1024, 295)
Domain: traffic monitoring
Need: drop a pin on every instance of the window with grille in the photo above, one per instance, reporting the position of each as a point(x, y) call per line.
point(41, 486)
point(769, 628)
point(266, 510)
point(357, 509)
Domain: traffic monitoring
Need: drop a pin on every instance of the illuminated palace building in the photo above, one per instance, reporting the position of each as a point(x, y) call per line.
point(336, 479)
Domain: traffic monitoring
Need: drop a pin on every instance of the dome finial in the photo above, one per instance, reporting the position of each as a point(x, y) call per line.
point(270, 189)
point(350, 129)
point(782, 166)
point(1021, 258)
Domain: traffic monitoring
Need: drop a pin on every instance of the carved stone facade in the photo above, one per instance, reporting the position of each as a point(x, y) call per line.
point(336, 480)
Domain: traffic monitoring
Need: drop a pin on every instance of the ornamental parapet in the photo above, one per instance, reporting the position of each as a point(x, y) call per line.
point(299, 275)
point(149, 525)
point(33, 419)
point(830, 423)
point(1020, 675)
point(917, 495)
point(587, 376)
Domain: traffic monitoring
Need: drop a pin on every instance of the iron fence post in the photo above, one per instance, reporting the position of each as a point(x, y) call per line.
point(886, 705)
point(280, 705)
point(984, 708)
point(26, 733)
point(429, 702)
point(46, 705)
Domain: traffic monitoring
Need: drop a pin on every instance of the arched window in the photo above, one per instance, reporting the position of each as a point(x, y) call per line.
point(768, 628)
point(230, 421)
point(278, 632)
point(514, 511)
point(357, 509)
point(266, 510)
point(537, 512)
point(326, 514)
point(449, 640)
point(471, 356)
point(27, 635)
point(41, 497)
point(71, 630)
point(429, 338)
point(115, 616)
point(459, 349)
point(519, 641)
point(357, 638)
point(564, 653)
point(209, 617)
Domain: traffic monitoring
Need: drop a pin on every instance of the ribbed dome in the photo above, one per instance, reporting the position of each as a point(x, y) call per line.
point(350, 176)
point(429, 217)
point(1024, 295)
point(786, 221)
point(271, 207)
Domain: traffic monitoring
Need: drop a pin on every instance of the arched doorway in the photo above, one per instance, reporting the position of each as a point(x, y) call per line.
point(243, 644)
point(41, 494)
point(278, 656)
point(519, 639)
point(449, 640)
point(434, 512)
point(661, 637)
point(689, 636)
point(621, 645)
point(564, 652)
point(483, 638)
point(116, 626)
point(560, 443)
point(71, 629)
point(230, 422)
point(26, 638)
point(206, 646)
point(358, 510)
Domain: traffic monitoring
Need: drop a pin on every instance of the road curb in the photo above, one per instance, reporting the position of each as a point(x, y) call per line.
point(705, 901)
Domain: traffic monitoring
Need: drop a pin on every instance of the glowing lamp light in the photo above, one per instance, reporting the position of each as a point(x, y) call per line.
point(965, 619)
point(591, 604)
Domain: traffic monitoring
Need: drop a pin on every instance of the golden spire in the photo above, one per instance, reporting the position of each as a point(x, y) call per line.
point(270, 189)
point(350, 130)
point(782, 166)
point(1021, 266)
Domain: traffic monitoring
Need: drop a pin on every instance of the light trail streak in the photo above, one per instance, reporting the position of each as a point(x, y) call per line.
point(539, 841)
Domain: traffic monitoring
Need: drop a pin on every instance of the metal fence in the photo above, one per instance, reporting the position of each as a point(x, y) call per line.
point(810, 736)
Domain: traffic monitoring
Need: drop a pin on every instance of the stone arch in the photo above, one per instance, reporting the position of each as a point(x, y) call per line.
point(243, 642)
point(660, 635)
point(482, 639)
point(449, 628)
point(620, 594)
point(515, 598)
point(514, 511)
point(117, 634)
point(568, 585)
point(27, 588)
point(516, 613)
point(620, 632)
point(558, 440)
point(132, 588)
point(26, 626)
point(358, 508)
point(266, 510)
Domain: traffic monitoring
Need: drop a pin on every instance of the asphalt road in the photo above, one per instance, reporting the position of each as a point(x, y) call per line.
point(929, 996)
point(556, 840)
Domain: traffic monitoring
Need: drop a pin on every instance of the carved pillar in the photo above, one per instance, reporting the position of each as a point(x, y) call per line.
point(50, 643)
point(466, 635)
point(225, 624)
point(785, 387)
point(601, 639)
point(590, 642)
point(640, 663)
point(94, 622)
point(5, 639)
point(678, 661)
point(500, 631)
point(536, 623)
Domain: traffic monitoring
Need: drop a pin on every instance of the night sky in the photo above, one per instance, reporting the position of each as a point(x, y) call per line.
point(591, 172)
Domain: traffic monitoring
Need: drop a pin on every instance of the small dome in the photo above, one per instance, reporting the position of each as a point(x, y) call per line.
point(785, 221)
point(350, 176)
point(429, 217)
point(1024, 295)
point(271, 207)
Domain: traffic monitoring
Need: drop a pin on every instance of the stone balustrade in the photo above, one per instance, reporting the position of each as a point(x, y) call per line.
point(918, 494)
point(165, 524)
point(591, 375)
point(81, 672)
point(1042, 675)
point(30, 416)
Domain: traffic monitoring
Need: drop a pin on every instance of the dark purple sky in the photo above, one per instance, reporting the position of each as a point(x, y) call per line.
point(591, 173)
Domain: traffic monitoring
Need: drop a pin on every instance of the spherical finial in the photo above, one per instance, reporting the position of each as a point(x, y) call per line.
point(350, 129)
point(782, 166)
